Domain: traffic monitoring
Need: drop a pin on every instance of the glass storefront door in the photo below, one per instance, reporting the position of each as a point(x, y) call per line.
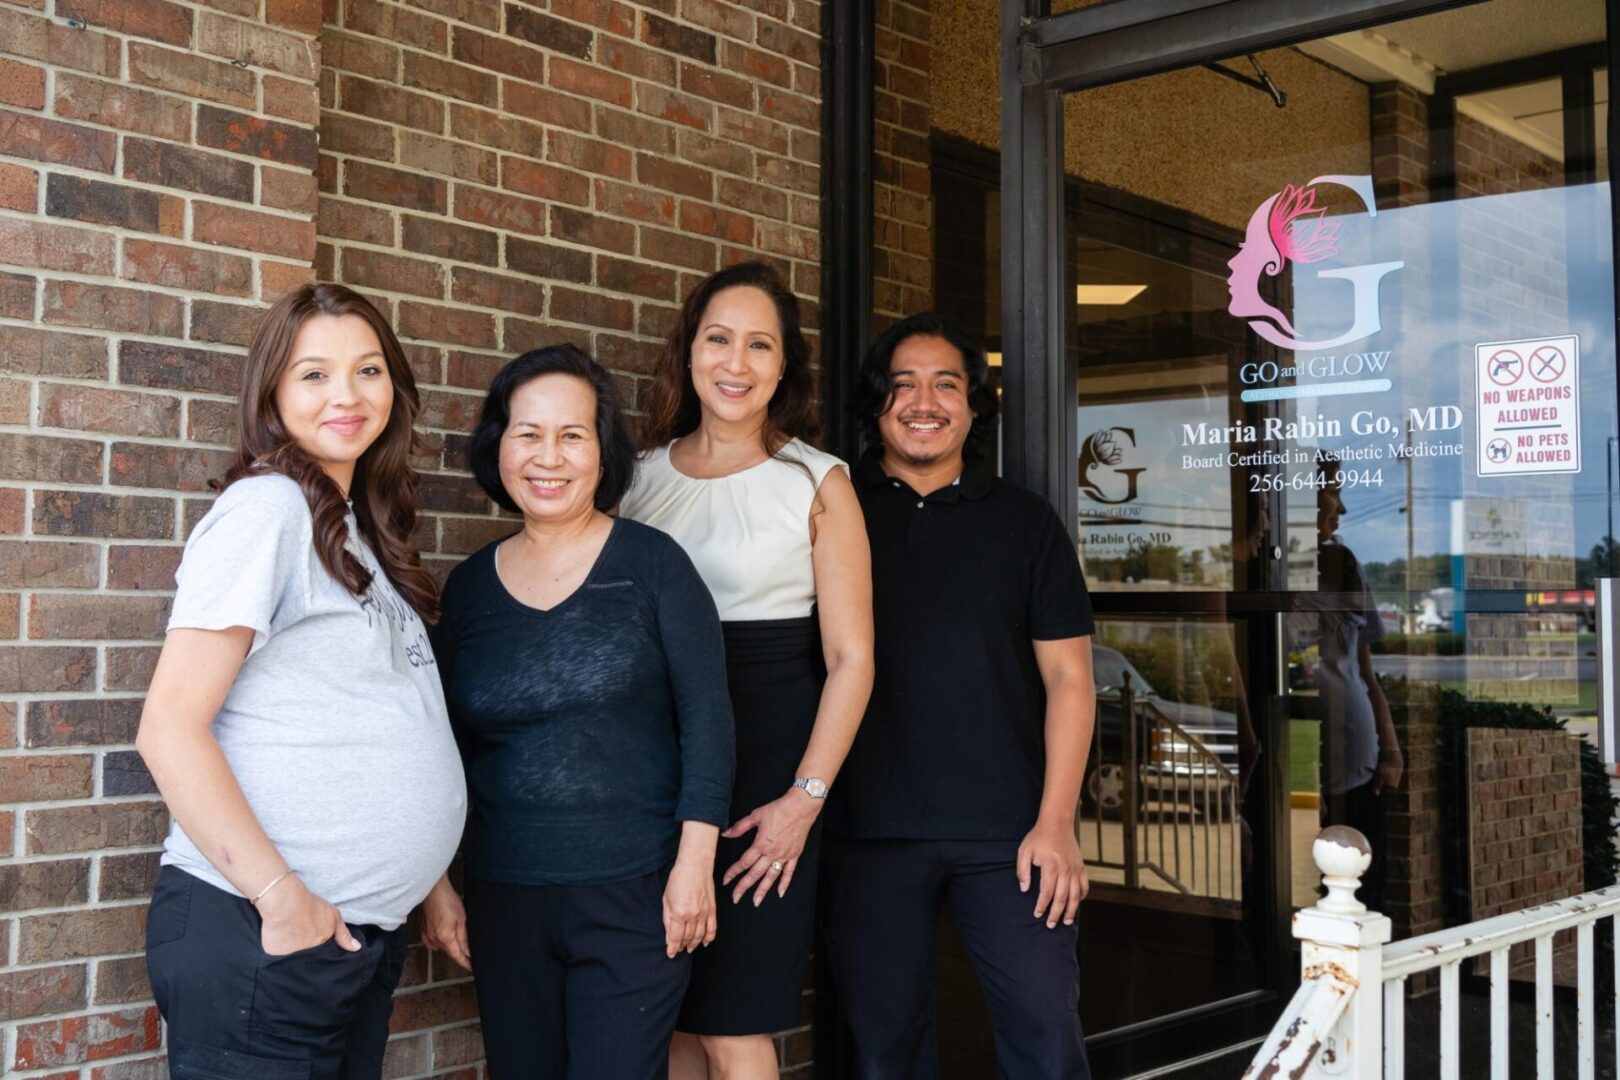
point(1341, 327)
point(1346, 413)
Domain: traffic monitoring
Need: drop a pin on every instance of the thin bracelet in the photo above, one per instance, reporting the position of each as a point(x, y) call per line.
point(277, 880)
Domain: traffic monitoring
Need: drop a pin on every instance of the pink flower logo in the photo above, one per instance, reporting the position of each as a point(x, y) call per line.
point(1297, 227)
point(1292, 226)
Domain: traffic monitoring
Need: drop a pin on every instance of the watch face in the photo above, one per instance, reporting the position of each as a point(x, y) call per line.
point(817, 789)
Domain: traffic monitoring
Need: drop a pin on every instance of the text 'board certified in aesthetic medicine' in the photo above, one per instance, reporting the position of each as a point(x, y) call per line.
point(1529, 406)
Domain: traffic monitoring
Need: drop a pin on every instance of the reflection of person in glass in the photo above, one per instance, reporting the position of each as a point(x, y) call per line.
point(1360, 755)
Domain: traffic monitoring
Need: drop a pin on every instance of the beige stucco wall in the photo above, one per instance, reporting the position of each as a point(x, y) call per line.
point(1190, 139)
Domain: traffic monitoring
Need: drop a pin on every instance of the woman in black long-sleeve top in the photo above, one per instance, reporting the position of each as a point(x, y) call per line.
point(584, 668)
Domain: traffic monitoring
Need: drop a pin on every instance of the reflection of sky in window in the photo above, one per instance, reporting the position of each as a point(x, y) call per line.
point(1524, 265)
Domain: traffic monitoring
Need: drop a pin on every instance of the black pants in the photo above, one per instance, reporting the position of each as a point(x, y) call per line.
point(572, 979)
point(236, 1013)
point(882, 919)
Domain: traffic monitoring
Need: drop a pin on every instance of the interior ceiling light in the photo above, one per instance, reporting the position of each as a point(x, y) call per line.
point(1112, 295)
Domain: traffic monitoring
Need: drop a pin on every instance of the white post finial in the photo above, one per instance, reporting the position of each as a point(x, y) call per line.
point(1342, 854)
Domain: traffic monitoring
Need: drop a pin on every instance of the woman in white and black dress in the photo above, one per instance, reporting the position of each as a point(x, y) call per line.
point(775, 530)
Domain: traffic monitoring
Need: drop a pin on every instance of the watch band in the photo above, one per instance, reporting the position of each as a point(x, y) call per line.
point(813, 786)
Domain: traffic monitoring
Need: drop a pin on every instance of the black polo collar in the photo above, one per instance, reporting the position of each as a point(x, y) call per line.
point(972, 484)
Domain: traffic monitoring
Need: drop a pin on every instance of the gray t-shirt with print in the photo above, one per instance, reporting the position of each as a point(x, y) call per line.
point(336, 726)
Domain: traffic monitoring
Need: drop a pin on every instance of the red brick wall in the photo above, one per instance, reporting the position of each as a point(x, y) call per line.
point(1524, 825)
point(497, 175)
point(903, 208)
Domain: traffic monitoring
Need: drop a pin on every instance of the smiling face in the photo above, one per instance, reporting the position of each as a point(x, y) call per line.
point(929, 418)
point(737, 359)
point(551, 460)
point(335, 395)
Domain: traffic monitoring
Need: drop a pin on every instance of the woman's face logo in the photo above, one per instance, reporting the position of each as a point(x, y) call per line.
point(1292, 226)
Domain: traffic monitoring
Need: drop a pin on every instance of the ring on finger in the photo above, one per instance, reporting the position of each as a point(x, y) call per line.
point(776, 867)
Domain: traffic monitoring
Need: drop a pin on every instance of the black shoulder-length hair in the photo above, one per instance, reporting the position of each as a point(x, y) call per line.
point(618, 451)
point(874, 388)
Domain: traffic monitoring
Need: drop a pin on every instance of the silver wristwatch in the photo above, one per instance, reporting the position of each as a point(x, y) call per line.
point(813, 786)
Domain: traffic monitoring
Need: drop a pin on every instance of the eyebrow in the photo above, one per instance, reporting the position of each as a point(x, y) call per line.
point(955, 373)
point(532, 424)
point(373, 354)
point(723, 326)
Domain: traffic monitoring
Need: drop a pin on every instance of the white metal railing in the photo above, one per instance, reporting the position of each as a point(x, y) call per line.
point(1348, 1018)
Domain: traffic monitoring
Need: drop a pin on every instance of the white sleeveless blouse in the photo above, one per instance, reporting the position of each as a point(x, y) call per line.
point(748, 534)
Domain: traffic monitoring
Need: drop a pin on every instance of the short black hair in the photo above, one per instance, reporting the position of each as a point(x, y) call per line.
point(874, 388)
point(618, 451)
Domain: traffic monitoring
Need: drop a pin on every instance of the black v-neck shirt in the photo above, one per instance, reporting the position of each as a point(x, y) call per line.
point(964, 581)
point(590, 730)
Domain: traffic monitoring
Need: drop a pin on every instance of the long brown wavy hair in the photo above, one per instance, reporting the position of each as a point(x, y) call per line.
point(384, 488)
point(673, 408)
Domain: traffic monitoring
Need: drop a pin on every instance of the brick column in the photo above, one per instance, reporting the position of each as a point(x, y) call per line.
point(902, 203)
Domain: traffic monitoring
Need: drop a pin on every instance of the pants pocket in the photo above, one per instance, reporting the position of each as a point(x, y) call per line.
point(171, 907)
point(188, 1061)
point(313, 991)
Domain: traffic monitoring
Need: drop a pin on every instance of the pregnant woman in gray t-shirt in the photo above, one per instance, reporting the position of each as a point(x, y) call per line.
point(295, 722)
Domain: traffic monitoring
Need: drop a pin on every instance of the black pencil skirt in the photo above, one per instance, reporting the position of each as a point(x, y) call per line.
point(750, 980)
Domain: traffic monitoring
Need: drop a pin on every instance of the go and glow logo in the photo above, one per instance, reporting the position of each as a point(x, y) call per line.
point(1292, 227)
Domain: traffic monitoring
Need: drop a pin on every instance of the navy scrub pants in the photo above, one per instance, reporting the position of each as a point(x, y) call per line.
point(573, 982)
point(235, 1012)
point(882, 919)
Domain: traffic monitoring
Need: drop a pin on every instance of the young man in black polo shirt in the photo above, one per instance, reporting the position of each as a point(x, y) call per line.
point(962, 783)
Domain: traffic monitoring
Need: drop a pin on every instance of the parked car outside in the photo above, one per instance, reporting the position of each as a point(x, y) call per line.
point(1192, 758)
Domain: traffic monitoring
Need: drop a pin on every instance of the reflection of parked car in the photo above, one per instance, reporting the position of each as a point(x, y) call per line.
point(1184, 760)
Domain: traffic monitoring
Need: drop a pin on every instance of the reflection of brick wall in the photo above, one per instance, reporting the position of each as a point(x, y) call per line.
point(1513, 283)
point(902, 226)
point(1494, 301)
point(1414, 872)
point(1400, 168)
point(1400, 145)
point(1524, 821)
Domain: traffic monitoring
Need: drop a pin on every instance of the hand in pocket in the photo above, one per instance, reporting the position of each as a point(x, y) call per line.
point(296, 919)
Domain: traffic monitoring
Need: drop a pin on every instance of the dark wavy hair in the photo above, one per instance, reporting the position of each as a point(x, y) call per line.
point(673, 408)
point(384, 487)
point(618, 449)
point(874, 388)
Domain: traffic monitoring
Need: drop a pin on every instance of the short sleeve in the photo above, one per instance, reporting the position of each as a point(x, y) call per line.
point(247, 561)
point(818, 462)
point(1059, 605)
point(1373, 627)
